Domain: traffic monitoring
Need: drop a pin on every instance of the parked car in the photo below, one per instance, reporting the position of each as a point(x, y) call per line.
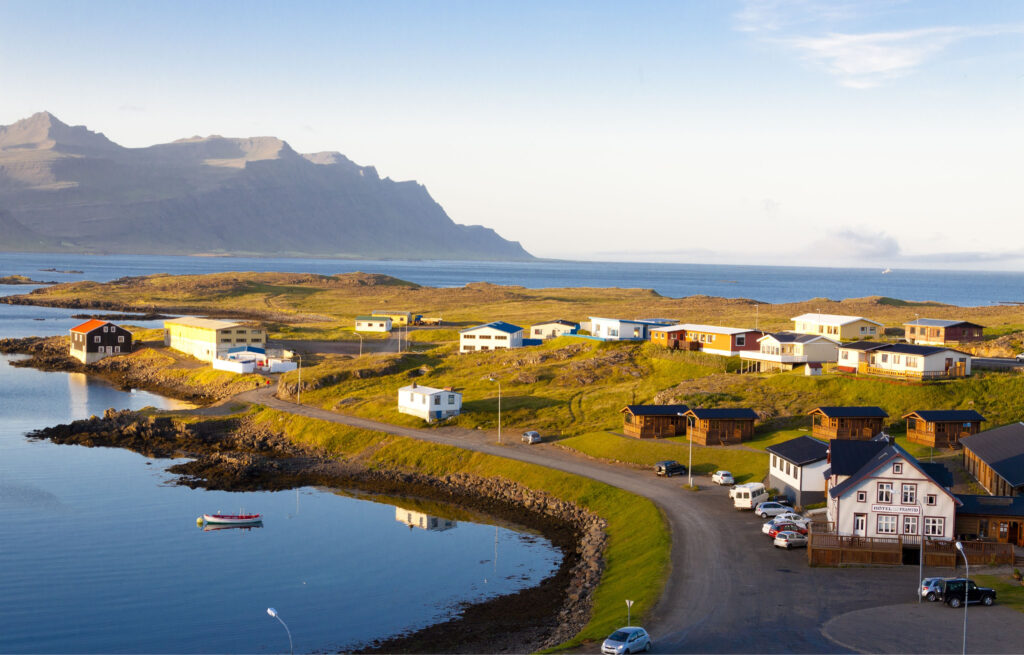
point(931, 588)
point(669, 467)
point(771, 508)
point(953, 593)
point(789, 539)
point(794, 517)
point(531, 436)
point(783, 519)
point(1020, 357)
point(748, 496)
point(626, 640)
point(722, 477)
point(785, 527)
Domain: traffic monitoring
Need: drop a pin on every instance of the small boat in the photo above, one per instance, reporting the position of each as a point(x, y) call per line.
point(887, 271)
point(233, 519)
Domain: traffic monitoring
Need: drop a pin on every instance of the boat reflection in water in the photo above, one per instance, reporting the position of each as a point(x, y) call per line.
point(415, 519)
point(210, 527)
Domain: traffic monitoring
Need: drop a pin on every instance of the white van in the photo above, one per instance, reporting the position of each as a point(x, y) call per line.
point(747, 496)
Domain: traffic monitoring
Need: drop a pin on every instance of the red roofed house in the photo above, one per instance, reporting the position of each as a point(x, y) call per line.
point(93, 340)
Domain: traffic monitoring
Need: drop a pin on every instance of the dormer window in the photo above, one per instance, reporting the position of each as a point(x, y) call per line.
point(897, 468)
point(862, 496)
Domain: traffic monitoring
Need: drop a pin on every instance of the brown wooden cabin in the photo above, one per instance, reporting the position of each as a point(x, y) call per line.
point(672, 336)
point(859, 423)
point(991, 518)
point(941, 332)
point(653, 421)
point(996, 459)
point(720, 426)
point(942, 428)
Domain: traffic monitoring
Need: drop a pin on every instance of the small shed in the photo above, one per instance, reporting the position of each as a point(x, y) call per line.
point(942, 428)
point(653, 421)
point(720, 425)
point(861, 423)
point(373, 324)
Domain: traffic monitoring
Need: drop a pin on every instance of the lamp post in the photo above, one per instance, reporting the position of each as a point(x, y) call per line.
point(273, 612)
point(629, 606)
point(499, 407)
point(689, 463)
point(360, 343)
point(967, 576)
point(298, 389)
point(920, 556)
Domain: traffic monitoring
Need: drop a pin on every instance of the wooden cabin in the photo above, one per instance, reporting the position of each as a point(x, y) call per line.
point(653, 421)
point(942, 428)
point(996, 459)
point(991, 518)
point(939, 332)
point(720, 426)
point(859, 423)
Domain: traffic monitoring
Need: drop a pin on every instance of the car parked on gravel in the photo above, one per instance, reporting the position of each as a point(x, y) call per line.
point(531, 436)
point(785, 527)
point(669, 467)
point(722, 477)
point(792, 516)
point(626, 640)
point(771, 508)
point(953, 593)
point(782, 519)
point(789, 539)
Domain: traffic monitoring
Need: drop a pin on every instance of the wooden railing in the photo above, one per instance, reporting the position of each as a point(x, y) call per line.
point(826, 548)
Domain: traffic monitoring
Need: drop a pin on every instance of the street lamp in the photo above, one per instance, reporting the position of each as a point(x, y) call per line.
point(499, 407)
point(298, 389)
point(629, 605)
point(689, 464)
point(360, 343)
point(273, 612)
point(967, 576)
point(920, 557)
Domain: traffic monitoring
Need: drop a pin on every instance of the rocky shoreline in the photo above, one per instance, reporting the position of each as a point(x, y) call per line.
point(232, 454)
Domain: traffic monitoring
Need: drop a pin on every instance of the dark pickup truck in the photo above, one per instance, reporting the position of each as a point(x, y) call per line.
point(952, 593)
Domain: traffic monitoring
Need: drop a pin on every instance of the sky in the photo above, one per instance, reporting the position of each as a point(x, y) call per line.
point(803, 132)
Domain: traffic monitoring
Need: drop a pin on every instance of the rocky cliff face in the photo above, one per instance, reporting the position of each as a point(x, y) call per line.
point(67, 188)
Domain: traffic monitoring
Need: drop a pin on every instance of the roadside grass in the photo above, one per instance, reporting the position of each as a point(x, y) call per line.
point(763, 439)
point(1009, 592)
point(638, 549)
point(745, 465)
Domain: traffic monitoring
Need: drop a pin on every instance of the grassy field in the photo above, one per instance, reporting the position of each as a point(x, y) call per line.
point(1009, 592)
point(637, 553)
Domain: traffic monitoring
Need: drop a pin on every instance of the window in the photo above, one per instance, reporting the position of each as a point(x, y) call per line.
point(613, 333)
point(885, 357)
point(862, 496)
point(117, 349)
point(934, 526)
point(501, 336)
point(469, 336)
point(412, 396)
point(929, 499)
point(96, 339)
point(120, 339)
point(844, 354)
point(887, 523)
point(483, 336)
point(885, 492)
point(741, 340)
point(896, 360)
point(897, 468)
point(451, 399)
point(909, 525)
point(469, 347)
point(913, 330)
point(909, 496)
point(437, 400)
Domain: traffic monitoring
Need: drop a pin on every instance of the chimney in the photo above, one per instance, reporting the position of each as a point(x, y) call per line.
point(448, 389)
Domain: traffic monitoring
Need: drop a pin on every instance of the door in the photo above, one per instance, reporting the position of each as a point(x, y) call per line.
point(860, 525)
point(1015, 533)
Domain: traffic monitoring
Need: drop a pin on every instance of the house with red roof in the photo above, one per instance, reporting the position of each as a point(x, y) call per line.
point(93, 340)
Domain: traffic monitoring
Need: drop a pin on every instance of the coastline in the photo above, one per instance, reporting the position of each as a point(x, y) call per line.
point(233, 454)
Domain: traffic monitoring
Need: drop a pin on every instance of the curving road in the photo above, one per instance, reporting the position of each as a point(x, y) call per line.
point(729, 591)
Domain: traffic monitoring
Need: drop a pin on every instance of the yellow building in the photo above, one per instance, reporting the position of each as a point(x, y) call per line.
point(836, 326)
point(207, 339)
point(398, 319)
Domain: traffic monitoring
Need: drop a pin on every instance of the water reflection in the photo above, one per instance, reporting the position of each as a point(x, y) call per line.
point(78, 394)
point(212, 527)
point(423, 521)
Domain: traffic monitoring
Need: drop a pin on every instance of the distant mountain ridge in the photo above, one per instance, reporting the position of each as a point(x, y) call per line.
point(66, 188)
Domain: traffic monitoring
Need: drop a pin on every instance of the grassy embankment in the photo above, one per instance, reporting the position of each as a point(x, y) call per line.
point(637, 552)
point(1009, 592)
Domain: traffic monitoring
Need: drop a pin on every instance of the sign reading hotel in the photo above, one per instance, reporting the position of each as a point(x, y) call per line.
point(896, 509)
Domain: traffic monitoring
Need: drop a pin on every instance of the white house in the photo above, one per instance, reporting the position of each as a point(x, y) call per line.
point(876, 489)
point(373, 323)
point(428, 403)
point(796, 469)
point(837, 326)
point(618, 329)
point(416, 519)
point(552, 329)
point(786, 350)
point(496, 335)
point(903, 360)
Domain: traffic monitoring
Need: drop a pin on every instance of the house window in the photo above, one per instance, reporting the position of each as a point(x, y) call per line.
point(934, 526)
point(412, 397)
point(862, 496)
point(469, 347)
point(913, 330)
point(537, 332)
point(613, 333)
point(897, 468)
point(909, 525)
point(437, 400)
point(896, 360)
point(929, 499)
point(501, 336)
point(885, 357)
point(96, 339)
point(885, 492)
point(483, 336)
point(120, 339)
point(863, 329)
point(117, 349)
point(887, 523)
point(741, 340)
point(451, 399)
point(909, 496)
point(469, 336)
point(844, 354)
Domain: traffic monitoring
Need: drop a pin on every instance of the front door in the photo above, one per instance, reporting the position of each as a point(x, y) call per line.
point(860, 525)
point(1014, 533)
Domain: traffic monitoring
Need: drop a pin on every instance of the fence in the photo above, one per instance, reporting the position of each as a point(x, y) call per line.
point(826, 548)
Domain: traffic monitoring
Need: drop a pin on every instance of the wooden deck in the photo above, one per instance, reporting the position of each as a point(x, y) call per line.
point(826, 548)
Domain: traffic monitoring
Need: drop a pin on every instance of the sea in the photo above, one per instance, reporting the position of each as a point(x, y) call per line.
point(769, 284)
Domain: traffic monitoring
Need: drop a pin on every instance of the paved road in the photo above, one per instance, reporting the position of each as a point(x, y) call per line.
point(351, 346)
point(997, 363)
point(729, 590)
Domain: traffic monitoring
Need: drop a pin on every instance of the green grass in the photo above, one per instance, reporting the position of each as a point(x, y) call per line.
point(638, 549)
point(1009, 592)
point(745, 465)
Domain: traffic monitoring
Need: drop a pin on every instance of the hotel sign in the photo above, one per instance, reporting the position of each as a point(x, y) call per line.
point(896, 509)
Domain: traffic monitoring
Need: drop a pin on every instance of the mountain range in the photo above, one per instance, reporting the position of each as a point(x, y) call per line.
point(66, 188)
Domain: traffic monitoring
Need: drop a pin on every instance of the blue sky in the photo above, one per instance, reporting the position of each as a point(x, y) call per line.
point(806, 132)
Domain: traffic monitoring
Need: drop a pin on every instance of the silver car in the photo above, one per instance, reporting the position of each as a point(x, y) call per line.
point(626, 640)
point(531, 436)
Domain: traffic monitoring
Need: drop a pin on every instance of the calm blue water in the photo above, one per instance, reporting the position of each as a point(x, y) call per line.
point(773, 284)
point(99, 553)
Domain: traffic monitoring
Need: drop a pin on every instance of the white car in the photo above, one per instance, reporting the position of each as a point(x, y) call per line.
point(722, 477)
point(771, 508)
point(531, 436)
point(626, 640)
point(788, 539)
point(1020, 357)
